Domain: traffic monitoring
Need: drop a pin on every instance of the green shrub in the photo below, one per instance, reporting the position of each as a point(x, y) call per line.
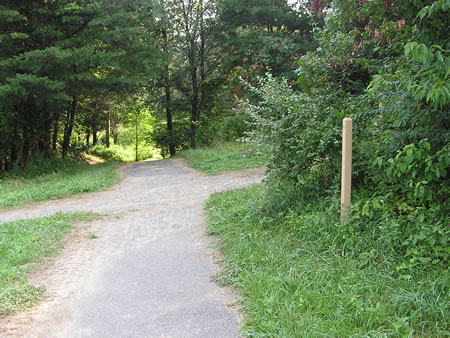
point(221, 129)
point(409, 209)
point(42, 166)
point(122, 154)
point(303, 133)
point(114, 152)
point(179, 138)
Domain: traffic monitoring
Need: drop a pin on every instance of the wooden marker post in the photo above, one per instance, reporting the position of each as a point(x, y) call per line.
point(346, 181)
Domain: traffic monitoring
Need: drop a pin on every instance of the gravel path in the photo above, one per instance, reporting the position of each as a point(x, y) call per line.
point(148, 271)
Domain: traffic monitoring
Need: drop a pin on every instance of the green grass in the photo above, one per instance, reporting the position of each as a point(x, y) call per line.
point(125, 153)
point(297, 280)
point(72, 179)
point(24, 242)
point(227, 157)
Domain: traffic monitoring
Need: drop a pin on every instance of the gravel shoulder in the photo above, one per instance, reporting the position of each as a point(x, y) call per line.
point(148, 271)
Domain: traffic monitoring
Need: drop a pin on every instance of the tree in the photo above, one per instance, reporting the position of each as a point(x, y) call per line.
point(56, 56)
point(200, 40)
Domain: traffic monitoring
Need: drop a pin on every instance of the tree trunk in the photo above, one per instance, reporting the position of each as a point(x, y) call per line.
point(172, 150)
point(13, 153)
point(44, 141)
point(108, 129)
point(168, 96)
point(194, 98)
point(137, 136)
point(55, 136)
point(88, 136)
point(94, 129)
point(26, 145)
point(69, 127)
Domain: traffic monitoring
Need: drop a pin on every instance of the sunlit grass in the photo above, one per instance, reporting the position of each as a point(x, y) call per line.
point(29, 241)
point(71, 180)
point(227, 157)
point(296, 280)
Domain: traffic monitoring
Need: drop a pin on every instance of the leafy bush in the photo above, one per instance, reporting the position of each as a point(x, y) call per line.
point(122, 154)
point(392, 80)
point(114, 152)
point(408, 210)
point(302, 132)
point(179, 138)
point(42, 166)
point(221, 129)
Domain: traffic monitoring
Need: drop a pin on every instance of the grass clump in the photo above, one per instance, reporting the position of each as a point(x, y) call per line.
point(62, 181)
point(24, 242)
point(226, 157)
point(297, 277)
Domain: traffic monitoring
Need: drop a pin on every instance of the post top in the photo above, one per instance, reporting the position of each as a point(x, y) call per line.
point(348, 119)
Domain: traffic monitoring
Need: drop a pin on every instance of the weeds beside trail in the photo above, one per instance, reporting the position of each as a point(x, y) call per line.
point(297, 278)
point(29, 241)
point(47, 181)
point(226, 157)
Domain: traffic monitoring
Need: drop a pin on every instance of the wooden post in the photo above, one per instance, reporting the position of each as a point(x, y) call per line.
point(346, 181)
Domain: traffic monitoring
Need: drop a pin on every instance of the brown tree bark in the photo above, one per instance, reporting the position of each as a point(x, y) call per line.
point(55, 136)
point(108, 129)
point(69, 126)
point(168, 98)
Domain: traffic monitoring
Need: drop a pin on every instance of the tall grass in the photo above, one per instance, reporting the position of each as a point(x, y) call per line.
point(297, 279)
point(29, 241)
point(64, 180)
point(225, 157)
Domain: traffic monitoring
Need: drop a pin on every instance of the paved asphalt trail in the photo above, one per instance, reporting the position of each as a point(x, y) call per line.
point(148, 272)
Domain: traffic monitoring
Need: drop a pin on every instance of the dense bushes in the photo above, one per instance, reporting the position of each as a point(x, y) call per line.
point(122, 153)
point(39, 166)
point(367, 69)
point(222, 128)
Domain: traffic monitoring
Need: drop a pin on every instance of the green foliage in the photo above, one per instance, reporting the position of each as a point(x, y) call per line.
point(179, 137)
point(25, 243)
point(222, 128)
point(69, 178)
point(122, 153)
point(59, 63)
point(114, 152)
point(297, 274)
point(40, 166)
point(225, 157)
point(410, 206)
point(428, 78)
point(435, 8)
point(302, 133)
point(385, 66)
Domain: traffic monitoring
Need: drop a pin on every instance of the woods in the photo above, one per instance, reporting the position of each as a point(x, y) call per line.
point(155, 76)
point(66, 66)
point(186, 73)
point(178, 74)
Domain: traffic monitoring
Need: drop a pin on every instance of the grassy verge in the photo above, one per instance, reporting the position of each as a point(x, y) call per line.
point(68, 180)
point(29, 241)
point(227, 157)
point(296, 278)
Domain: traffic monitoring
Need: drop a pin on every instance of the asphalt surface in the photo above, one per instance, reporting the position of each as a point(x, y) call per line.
point(149, 271)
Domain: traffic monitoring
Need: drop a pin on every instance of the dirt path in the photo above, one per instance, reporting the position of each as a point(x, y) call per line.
point(147, 274)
